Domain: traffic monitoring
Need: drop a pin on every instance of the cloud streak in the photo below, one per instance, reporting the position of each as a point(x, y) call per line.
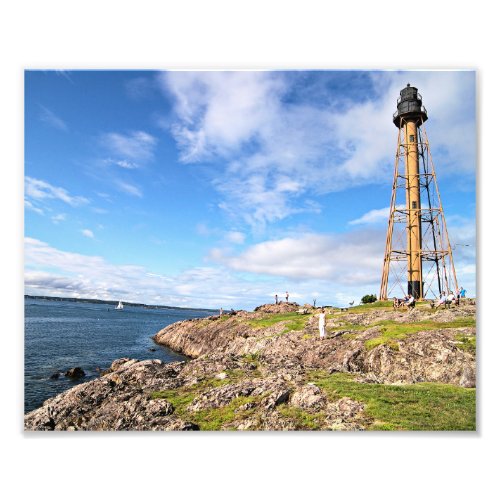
point(136, 146)
point(49, 117)
point(37, 190)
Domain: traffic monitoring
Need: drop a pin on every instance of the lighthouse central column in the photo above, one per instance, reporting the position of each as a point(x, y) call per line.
point(414, 236)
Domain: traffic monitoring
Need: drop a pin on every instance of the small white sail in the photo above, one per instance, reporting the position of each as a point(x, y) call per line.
point(120, 305)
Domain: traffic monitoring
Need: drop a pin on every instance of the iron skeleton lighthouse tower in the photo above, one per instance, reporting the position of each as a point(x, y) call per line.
point(418, 257)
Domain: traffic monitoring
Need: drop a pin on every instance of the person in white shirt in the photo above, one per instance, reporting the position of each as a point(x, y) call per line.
point(442, 300)
point(410, 300)
point(321, 324)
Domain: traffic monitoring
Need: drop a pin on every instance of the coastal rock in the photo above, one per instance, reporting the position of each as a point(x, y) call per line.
point(104, 404)
point(421, 356)
point(266, 393)
point(309, 397)
point(76, 372)
point(250, 372)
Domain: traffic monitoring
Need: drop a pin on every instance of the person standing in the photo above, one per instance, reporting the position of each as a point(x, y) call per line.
point(462, 292)
point(287, 297)
point(321, 324)
point(276, 298)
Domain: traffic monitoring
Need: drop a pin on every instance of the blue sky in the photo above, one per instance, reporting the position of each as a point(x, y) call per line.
point(220, 189)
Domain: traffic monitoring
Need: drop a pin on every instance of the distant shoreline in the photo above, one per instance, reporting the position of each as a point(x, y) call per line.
point(113, 302)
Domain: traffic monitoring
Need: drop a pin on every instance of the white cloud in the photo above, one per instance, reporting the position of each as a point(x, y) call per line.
point(37, 190)
point(374, 216)
point(126, 164)
point(58, 218)
point(136, 146)
point(236, 237)
point(128, 188)
point(54, 272)
point(219, 110)
point(276, 151)
point(88, 233)
point(348, 259)
point(48, 116)
point(29, 206)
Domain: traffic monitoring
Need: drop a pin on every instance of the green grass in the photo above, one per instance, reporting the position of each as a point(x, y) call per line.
point(391, 331)
point(182, 397)
point(253, 357)
point(210, 419)
point(383, 304)
point(214, 419)
point(293, 320)
point(424, 406)
point(467, 342)
point(374, 305)
point(301, 418)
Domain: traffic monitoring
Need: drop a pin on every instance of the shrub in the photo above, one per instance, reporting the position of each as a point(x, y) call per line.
point(368, 299)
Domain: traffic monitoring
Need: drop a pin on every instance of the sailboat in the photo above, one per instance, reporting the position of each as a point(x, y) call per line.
point(119, 307)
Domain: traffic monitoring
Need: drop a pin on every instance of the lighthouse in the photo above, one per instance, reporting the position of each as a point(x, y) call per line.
point(418, 257)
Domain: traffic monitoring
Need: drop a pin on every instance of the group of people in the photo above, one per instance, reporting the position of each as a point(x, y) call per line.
point(445, 299)
point(286, 297)
point(408, 301)
point(451, 298)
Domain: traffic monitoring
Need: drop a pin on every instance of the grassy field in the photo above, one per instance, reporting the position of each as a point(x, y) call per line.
point(391, 331)
point(425, 406)
point(293, 320)
point(385, 304)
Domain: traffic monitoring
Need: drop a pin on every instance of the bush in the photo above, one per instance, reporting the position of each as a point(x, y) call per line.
point(368, 299)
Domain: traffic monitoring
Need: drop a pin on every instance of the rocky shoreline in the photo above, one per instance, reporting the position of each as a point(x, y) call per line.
point(268, 370)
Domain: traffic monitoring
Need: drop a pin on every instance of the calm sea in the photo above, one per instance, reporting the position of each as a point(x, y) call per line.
point(62, 335)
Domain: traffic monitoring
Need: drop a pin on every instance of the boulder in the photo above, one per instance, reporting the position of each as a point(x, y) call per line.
point(309, 397)
point(76, 372)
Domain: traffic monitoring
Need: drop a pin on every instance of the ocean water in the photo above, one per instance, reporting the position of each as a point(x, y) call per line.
point(61, 335)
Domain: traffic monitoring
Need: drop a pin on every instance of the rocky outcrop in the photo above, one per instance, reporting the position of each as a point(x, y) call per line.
point(309, 397)
point(426, 355)
point(251, 371)
point(279, 308)
point(118, 400)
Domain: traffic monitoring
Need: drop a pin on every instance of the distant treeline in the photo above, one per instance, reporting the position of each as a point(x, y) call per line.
point(112, 303)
